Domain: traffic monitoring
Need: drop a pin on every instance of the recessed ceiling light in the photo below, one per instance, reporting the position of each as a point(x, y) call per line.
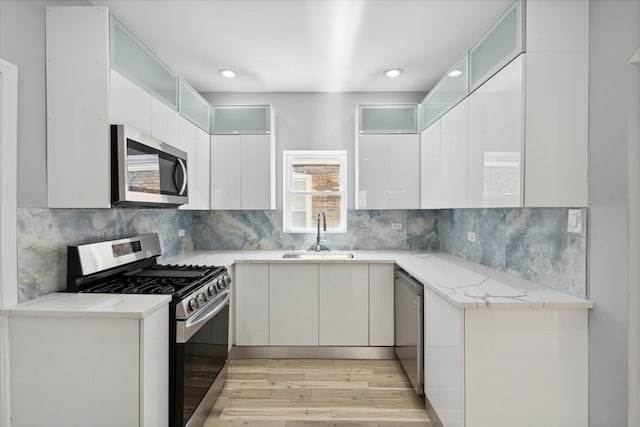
point(225, 72)
point(455, 73)
point(393, 72)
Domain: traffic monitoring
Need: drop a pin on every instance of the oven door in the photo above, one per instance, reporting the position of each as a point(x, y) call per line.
point(202, 345)
point(146, 171)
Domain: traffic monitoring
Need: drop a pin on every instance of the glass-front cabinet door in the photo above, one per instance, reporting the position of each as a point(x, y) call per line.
point(131, 58)
point(387, 118)
point(448, 92)
point(241, 119)
point(498, 46)
point(193, 106)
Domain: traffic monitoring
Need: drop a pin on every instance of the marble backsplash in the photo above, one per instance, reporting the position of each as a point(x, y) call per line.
point(43, 236)
point(531, 243)
point(366, 230)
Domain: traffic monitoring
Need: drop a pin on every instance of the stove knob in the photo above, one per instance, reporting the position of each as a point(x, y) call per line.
point(220, 283)
point(201, 298)
point(227, 279)
point(193, 304)
point(211, 290)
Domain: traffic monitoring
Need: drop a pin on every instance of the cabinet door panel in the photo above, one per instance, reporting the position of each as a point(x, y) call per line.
point(404, 171)
point(255, 186)
point(225, 171)
point(444, 359)
point(344, 304)
point(495, 140)
point(155, 364)
point(453, 164)
point(430, 180)
point(203, 157)
point(373, 165)
point(130, 104)
point(381, 307)
point(293, 304)
point(56, 358)
point(252, 304)
point(188, 141)
point(557, 108)
point(165, 124)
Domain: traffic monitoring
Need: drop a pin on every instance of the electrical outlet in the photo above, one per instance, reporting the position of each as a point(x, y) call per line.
point(574, 221)
point(471, 236)
point(396, 226)
point(181, 232)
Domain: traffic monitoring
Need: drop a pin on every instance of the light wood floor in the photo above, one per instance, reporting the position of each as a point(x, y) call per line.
point(317, 393)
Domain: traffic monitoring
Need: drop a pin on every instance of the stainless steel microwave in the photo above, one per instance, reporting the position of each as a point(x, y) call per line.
point(146, 171)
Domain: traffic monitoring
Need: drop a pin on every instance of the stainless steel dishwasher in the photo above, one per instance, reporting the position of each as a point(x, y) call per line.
point(408, 326)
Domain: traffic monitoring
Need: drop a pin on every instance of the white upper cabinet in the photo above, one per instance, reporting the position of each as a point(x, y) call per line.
point(387, 157)
point(203, 170)
point(99, 73)
point(243, 157)
point(495, 140)
point(188, 142)
point(130, 104)
point(454, 133)
point(430, 171)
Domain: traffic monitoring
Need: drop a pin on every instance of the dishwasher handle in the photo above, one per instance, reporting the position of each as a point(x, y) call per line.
point(415, 286)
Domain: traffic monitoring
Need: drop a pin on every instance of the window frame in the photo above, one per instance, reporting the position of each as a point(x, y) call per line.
point(289, 156)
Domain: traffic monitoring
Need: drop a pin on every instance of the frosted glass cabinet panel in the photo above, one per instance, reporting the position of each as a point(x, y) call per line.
point(193, 107)
point(449, 90)
point(498, 46)
point(241, 119)
point(387, 118)
point(131, 58)
point(496, 140)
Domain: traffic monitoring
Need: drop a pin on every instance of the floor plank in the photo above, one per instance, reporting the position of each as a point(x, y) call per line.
point(317, 393)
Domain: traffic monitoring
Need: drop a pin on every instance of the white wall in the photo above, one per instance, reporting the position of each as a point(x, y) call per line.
point(314, 121)
point(614, 36)
point(22, 42)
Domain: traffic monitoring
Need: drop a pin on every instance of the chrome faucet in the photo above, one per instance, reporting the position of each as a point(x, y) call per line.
point(319, 245)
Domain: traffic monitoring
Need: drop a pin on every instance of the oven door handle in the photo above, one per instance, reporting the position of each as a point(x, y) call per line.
point(185, 329)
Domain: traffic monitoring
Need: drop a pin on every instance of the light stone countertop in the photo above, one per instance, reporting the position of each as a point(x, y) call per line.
point(113, 306)
point(464, 284)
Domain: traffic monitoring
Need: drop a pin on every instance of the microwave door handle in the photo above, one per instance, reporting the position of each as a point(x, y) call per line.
point(183, 187)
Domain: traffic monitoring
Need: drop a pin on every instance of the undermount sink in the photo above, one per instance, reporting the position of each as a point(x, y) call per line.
point(318, 255)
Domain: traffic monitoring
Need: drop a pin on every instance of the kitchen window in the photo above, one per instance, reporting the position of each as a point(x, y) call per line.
point(315, 181)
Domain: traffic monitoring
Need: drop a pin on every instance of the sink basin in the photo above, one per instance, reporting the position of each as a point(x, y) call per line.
point(318, 255)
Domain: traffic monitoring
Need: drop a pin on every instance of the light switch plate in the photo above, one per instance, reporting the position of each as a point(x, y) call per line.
point(181, 232)
point(471, 236)
point(574, 221)
point(396, 226)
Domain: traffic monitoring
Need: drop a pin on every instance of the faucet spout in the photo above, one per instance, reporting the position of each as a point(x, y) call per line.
point(318, 245)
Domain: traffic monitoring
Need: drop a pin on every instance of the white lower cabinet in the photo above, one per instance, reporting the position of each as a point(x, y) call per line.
point(506, 367)
point(293, 304)
point(251, 287)
point(301, 304)
point(344, 304)
point(82, 371)
point(444, 359)
point(381, 305)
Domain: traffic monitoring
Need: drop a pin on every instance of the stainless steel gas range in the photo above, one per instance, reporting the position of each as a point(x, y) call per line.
point(198, 313)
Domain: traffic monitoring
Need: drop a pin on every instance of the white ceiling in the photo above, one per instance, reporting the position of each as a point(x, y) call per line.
point(308, 45)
